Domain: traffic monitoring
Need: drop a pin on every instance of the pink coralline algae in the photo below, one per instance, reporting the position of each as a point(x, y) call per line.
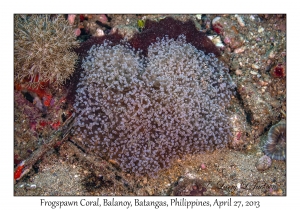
point(77, 31)
point(71, 19)
point(103, 19)
point(203, 166)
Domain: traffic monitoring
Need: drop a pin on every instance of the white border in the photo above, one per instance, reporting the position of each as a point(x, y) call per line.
point(8, 8)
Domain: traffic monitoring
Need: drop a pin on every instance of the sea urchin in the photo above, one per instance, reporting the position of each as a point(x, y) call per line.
point(275, 146)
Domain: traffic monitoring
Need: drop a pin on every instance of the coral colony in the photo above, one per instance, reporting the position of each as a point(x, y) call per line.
point(43, 50)
point(146, 111)
point(275, 146)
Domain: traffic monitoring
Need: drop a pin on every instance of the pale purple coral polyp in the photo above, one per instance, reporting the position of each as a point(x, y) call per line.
point(145, 112)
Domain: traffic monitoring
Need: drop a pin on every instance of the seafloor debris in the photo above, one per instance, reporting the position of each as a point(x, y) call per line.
point(59, 135)
point(190, 187)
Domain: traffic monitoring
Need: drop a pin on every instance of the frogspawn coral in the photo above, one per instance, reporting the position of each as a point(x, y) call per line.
point(145, 112)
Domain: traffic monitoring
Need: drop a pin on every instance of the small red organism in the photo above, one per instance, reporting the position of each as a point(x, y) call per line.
point(238, 136)
point(18, 86)
point(218, 28)
point(203, 166)
point(47, 99)
point(19, 171)
point(33, 125)
point(81, 17)
point(40, 91)
point(278, 71)
point(43, 123)
point(217, 25)
point(55, 125)
point(237, 141)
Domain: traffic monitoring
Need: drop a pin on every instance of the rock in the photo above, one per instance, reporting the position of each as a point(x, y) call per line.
point(263, 163)
point(126, 31)
point(229, 33)
point(99, 32)
point(217, 41)
point(238, 72)
point(240, 20)
point(239, 50)
point(255, 66)
point(260, 29)
point(253, 72)
point(199, 16)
